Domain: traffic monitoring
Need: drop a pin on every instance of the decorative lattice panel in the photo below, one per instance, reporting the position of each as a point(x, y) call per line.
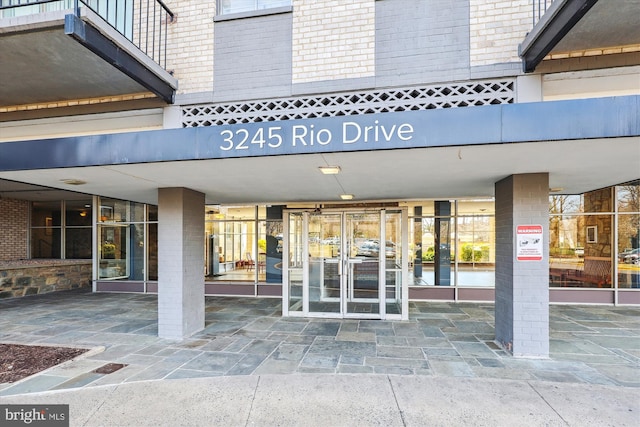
point(454, 95)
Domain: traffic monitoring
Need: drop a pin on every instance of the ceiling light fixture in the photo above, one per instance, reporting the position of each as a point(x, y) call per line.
point(73, 181)
point(330, 170)
point(346, 196)
point(556, 190)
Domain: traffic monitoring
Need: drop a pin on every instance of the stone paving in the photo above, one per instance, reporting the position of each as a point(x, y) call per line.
point(248, 336)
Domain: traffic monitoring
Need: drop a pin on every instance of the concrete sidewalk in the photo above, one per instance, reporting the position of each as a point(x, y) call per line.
point(345, 400)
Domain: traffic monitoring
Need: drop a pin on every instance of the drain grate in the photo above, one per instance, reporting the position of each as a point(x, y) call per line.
point(109, 368)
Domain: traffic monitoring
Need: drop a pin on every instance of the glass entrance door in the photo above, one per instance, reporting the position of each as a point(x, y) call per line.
point(345, 264)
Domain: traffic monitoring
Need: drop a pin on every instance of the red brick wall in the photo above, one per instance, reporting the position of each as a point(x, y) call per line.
point(14, 221)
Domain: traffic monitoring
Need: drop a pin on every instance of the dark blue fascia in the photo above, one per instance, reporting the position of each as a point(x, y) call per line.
point(498, 124)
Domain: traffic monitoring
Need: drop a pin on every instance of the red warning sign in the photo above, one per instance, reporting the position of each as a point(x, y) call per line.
point(529, 244)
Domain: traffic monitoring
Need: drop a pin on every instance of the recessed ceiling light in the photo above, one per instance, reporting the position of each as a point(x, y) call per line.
point(346, 196)
point(330, 170)
point(73, 181)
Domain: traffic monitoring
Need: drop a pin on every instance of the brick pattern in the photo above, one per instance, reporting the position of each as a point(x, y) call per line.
point(14, 223)
point(522, 287)
point(253, 56)
point(497, 27)
point(190, 48)
point(418, 41)
point(40, 279)
point(333, 39)
point(181, 262)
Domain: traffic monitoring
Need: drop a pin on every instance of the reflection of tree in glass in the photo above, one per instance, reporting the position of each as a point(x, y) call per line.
point(628, 225)
point(566, 233)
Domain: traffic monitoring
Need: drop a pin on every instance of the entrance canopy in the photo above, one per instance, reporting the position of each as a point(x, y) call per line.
point(582, 144)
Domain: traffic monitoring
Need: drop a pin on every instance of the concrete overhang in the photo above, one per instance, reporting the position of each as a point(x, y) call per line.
point(56, 58)
point(583, 145)
point(406, 174)
point(581, 25)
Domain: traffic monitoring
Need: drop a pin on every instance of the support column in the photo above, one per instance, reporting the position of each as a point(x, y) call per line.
point(180, 262)
point(522, 278)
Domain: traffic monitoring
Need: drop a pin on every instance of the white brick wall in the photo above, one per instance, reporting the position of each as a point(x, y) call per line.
point(180, 262)
point(497, 27)
point(190, 48)
point(333, 40)
point(522, 287)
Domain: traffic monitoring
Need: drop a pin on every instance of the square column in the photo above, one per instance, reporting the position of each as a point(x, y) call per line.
point(180, 262)
point(522, 264)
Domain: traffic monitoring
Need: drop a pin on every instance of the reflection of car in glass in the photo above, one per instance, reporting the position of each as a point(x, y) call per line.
point(630, 257)
point(371, 248)
point(331, 241)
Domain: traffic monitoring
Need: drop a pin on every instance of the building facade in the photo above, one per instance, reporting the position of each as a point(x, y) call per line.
point(345, 156)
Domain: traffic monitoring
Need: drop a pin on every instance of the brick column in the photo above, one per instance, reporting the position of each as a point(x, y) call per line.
point(180, 262)
point(522, 287)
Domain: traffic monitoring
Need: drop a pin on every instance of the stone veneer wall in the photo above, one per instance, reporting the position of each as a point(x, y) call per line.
point(22, 278)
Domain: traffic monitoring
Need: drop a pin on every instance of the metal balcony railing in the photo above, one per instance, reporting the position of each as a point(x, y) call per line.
point(539, 8)
point(143, 22)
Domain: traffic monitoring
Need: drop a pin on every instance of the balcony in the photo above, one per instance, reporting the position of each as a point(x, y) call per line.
point(65, 57)
point(581, 28)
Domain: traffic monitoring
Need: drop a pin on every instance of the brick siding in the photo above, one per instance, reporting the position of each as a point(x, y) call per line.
point(14, 222)
point(497, 27)
point(333, 40)
point(190, 51)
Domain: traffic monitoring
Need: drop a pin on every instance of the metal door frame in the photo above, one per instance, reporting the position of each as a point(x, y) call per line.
point(344, 263)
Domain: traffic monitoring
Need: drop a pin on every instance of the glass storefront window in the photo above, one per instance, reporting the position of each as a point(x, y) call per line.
point(46, 231)
point(46, 214)
point(560, 204)
point(112, 210)
point(628, 204)
point(152, 213)
point(78, 213)
point(456, 247)
point(78, 243)
point(629, 250)
point(476, 251)
point(580, 250)
point(127, 244)
point(628, 199)
point(61, 229)
point(295, 272)
point(152, 248)
point(46, 242)
point(236, 243)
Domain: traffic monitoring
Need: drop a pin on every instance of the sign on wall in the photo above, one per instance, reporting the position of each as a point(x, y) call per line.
point(529, 244)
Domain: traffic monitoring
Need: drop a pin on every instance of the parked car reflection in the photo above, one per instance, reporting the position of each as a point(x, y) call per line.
point(371, 248)
point(630, 257)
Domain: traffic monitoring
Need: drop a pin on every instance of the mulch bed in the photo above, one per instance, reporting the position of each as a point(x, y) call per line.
point(20, 361)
